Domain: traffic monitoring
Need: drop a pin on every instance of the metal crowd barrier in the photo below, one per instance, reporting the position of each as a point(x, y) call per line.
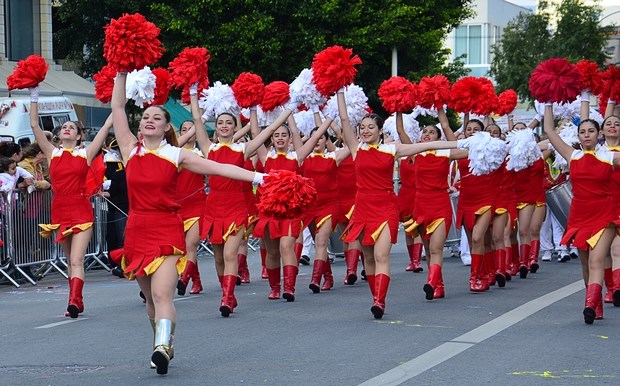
point(25, 253)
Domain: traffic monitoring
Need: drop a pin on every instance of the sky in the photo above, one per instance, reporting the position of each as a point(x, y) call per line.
point(532, 3)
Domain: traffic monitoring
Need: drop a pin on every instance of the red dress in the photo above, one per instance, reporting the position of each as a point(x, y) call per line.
point(191, 196)
point(406, 193)
point(506, 199)
point(72, 211)
point(154, 227)
point(250, 198)
point(322, 169)
point(376, 204)
point(477, 194)
point(279, 228)
point(432, 201)
point(590, 210)
point(226, 209)
point(347, 188)
point(615, 182)
point(529, 185)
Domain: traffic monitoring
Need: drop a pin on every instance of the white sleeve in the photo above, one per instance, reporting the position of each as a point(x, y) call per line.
point(21, 172)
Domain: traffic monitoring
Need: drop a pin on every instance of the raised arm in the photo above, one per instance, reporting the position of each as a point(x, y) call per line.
point(404, 150)
point(611, 105)
point(199, 165)
point(201, 134)
point(307, 147)
point(46, 146)
point(400, 129)
point(93, 148)
point(124, 137)
point(350, 139)
point(560, 146)
point(295, 136)
point(445, 124)
point(184, 139)
point(257, 143)
point(584, 108)
point(241, 132)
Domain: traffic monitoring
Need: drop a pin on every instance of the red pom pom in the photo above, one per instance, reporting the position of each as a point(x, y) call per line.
point(333, 68)
point(276, 94)
point(465, 94)
point(190, 67)
point(590, 76)
point(434, 91)
point(162, 86)
point(611, 83)
point(507, 102)
point(602, 103)
point(249, 89)
point(131, 43)
point(104, 83)
point(555, 80)
point(244, 120)
point(487, 101)
point(185, 93)
point(28, 73)
point(398, 95)
point(285, 194)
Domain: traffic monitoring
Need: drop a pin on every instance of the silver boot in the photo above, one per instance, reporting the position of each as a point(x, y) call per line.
point(162, 345)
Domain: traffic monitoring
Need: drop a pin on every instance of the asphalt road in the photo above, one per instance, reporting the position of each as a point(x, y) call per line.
point(529, 333)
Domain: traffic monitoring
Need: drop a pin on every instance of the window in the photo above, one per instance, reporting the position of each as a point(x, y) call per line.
point(22, 28)
point(468, 41)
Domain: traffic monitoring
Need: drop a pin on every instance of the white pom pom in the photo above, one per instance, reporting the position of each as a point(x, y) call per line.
point(570, 136)
point(305, 122)
point(486, 153)
point(140, 86)
point(594, 114)
point(422, 111)
point(522, 149)
point(356, 102)
point(412, 128)
point(218, 99)
point(303, 90)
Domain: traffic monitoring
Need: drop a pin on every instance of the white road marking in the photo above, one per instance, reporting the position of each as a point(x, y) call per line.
point(442, 353)
point(60, 323)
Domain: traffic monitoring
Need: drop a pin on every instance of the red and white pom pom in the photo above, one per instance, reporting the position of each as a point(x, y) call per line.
point(334, 68)
point(570, 136)
point(104, 83)
point(131, 43)
point(434, 92)
point(411, 125)
point(218, 99)
point(285, 194)
point(162, 86)
point(248, 89)
point(303, 90)
point(28, 73)
point(305, 121)
point(202, 86)
point(507, 102)
point(398, 95)
point(276, 94)
point(356, 101)
point(555, 80)
point(523, 150)
point(590, 76)
point(190, 67)
point(486, 154)
point(140, 86)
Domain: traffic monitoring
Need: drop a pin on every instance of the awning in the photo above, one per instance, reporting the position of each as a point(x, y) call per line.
point(57, 83)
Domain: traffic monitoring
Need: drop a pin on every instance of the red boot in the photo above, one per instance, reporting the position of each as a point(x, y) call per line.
point(516, 260)
point(228, 295)
point(499, 255)
point(76, 302)
point(524, 252)
point(508, 263)
point(609, 283)
point(616, 276)
point(382, 283)
point(274, 283)
point(290, 278)
point(415, 257)
point(351, 256)
point(439, 288)
point(475, 285)
point(317, 271)
point(593, 297)
point(434, 271)
point(185, 277)
point(263, 257)
point(196, 282)
point(534, 252)
point(298, 248)
point(371, 284)
point(328, 282)
point(489, 269)
point(244, 271)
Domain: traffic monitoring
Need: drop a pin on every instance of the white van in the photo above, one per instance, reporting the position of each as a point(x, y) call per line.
point(15, 117)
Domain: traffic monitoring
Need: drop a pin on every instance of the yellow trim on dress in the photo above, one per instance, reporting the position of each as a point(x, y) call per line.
point(155, 264)
point(48, 229)
point(350, 213)
point(433, 226)
point(539, 204)
point(501, 211)
point(187, 224)
point(592, 241)
point(377, 232)
point(482, 210)
point(81, 227)
point(232, 229)
point(522, 205)
point(323, 220)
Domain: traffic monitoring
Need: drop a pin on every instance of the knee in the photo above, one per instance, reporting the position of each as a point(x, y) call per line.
point(160, 296)
point(382, 257)
point(320, 242)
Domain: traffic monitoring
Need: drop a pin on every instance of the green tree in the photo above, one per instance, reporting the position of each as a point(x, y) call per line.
point(528, 40)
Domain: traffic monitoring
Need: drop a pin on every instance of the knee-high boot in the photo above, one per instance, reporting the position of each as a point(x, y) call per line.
point(499, 256)
point(328, 282)
point(185, 277)
point(274, 282)
point(317, 271)
point(534, 252)
point(616, 276)
point(415, 257)
point(610, 284)
point(76, 301)
point(516, 260)
point(162, 344)
point(475, 284)
point(371, 284)
point(196, 281)
point(290, 278)
point(593, 298)
point(508, 263)
point(298, 248)
point(524, 252)
point(228, 303)
point(263, 258)
point(382, 283)
point(439, 287)
point(244, 271)
point(352, 256)
point(434, 270)
point(489, 269)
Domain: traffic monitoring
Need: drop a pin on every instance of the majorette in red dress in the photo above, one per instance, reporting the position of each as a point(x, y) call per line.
point(154, 227)
point(406, 193)
point(529, 185)
point(347, 188)
point(72, 211)
point(279, 228)
point(615, 182)
point(505, 198)
point(191, 196)
point(376, 204)
point(322, 169)
point(477, 194)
